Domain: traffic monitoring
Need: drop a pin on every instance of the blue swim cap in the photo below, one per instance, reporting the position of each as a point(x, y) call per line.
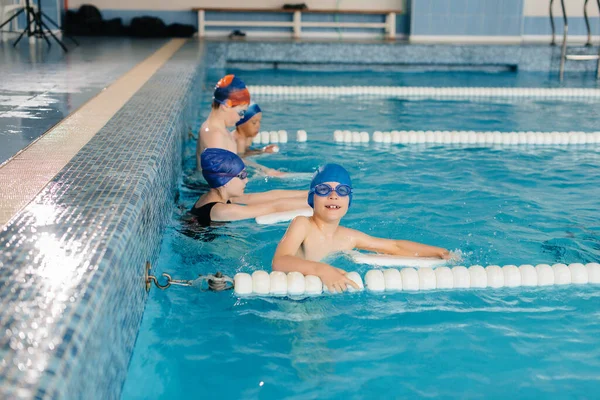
point(330, 173)
point(250, 112)
point(220, 166)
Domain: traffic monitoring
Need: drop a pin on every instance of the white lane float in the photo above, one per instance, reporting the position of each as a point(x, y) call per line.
point(471, 138)
point(277, 283)
point(281, 136)
point(283, 216)
point(383, 260)
point(419, 92)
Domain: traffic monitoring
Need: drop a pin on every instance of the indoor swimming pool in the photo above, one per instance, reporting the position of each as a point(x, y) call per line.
point(494, 204)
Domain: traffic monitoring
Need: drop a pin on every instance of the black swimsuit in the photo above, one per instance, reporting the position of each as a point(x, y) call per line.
point(202, 213)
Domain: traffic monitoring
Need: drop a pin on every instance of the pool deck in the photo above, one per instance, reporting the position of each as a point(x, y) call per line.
point(26, 174)
point(41, 85)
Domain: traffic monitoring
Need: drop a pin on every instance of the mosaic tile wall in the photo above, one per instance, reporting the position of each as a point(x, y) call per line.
point(71, 272)
point(390, 55)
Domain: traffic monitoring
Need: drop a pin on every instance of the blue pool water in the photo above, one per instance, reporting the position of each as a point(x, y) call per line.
point(499, 205)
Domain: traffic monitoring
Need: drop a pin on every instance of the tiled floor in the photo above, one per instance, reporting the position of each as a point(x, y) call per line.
point(40, 86)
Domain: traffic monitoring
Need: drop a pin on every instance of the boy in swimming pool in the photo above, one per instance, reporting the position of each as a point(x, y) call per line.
point(226, 175)
point(309, 239)
point(246, 129)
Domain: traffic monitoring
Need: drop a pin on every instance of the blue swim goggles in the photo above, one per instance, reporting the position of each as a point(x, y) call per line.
point(240, 113)
point(323, 189)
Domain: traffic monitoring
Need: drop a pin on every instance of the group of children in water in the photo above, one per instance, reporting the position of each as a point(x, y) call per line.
point(308, 240)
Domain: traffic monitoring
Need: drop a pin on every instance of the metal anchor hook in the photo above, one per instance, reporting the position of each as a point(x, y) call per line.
point(152, 278)
point(170, 281)
point(217, 282)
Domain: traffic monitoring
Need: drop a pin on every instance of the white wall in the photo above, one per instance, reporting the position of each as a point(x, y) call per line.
point(189, 4)
point(540, 8)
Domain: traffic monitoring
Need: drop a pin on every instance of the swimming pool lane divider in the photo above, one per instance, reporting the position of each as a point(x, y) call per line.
point(428, 92)
point(281, 136)
point(469, 137)
point(277, 283)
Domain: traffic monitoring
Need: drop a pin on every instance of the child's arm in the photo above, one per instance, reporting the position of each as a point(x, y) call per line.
point(286, 259)
point(396, 247)
point(273, 195)
point(236, 212)
point(247, 151)
point(265, 170)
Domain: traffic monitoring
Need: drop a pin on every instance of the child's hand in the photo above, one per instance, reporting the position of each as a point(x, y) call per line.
point(335, 279)
point(272, 148)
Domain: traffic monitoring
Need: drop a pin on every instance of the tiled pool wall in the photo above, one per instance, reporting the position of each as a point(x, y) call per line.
point(71, 270)
point(389, 56)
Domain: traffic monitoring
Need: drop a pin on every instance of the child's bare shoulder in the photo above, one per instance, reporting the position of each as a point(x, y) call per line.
point(300, 222)
point(299, 228)
point(342, 230)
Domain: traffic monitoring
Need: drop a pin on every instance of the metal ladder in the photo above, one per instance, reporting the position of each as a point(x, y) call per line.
point(574, 57)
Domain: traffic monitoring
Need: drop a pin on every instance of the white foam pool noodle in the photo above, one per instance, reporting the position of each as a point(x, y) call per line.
point(374, 280)
point(478, 276)
point(562, 274)
point(313, 285)
point(283, 136)
point(461, 277)
point(545, 275)
point(301, 136)
point(393, 279)
point(261, 282)
point(579, 274)
point(354, 276)
point(410, 279)
point(444, 279)
point(495, 276)
point(242, 283)
point(426, 279)
point(512, 276)
point(529, 276)
point(593, 270)
point(296, 283)
point(278, 283)
point(264, 137)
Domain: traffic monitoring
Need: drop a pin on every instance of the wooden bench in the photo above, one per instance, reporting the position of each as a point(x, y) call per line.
point(297, 23)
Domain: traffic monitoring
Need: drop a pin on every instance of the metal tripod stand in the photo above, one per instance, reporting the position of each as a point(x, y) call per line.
point(36, 25)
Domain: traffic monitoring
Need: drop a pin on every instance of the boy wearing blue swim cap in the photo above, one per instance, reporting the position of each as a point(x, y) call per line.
point(246, 129)
point(226, 175)
point(310, 239)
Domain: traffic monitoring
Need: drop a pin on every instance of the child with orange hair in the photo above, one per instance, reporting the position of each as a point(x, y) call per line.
point(230, 102)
